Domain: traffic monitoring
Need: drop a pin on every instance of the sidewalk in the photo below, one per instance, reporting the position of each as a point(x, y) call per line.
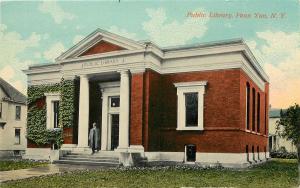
point(41, 171)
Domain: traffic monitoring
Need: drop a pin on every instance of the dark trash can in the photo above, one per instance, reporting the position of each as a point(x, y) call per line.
point(191, 153)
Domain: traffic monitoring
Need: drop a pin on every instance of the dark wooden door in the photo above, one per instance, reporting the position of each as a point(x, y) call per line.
point(114, 131)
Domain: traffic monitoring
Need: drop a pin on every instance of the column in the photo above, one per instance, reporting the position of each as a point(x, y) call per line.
point(124, 111)
point(104, 132)
point(83, 122)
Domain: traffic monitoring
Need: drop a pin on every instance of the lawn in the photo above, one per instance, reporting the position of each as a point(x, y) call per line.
point(277, 173)
point(19, 164)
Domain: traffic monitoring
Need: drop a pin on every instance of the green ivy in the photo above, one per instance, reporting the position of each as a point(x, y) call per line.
point(67, 107)
point(36, 119)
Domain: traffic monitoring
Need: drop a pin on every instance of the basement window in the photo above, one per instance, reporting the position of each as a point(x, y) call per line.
point(190, 103)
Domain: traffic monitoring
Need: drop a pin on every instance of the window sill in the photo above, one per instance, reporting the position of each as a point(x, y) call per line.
point(190, 129)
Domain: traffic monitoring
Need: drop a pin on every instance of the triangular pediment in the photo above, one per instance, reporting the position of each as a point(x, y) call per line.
point(102, 47)
point(100, 42)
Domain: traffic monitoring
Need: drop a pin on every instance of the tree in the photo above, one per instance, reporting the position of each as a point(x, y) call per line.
point(289, 127)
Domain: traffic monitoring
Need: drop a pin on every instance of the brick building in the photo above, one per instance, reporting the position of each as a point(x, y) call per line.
point(204, 103)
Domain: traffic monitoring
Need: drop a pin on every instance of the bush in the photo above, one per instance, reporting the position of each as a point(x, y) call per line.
point(283, 154)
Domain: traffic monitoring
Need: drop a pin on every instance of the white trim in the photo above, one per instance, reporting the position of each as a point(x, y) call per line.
point(139, 56)
point(97, 36)
point(136, 149)
point(182, 89)
point(165, 156)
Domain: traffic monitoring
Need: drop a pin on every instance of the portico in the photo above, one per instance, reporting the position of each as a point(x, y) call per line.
point(120, 90)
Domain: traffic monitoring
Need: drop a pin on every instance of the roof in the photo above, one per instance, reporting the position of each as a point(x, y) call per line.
point(13, 95)
point(275, 113)
point(203, 45)
point(235, 45)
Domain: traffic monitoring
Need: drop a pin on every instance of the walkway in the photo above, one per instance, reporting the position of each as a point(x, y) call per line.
point(42, 171)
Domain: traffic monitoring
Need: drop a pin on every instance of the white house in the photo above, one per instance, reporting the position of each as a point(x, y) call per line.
point(275, 141)
point(13, 110)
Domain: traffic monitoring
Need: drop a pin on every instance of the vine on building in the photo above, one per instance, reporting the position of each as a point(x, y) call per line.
point(36, 120)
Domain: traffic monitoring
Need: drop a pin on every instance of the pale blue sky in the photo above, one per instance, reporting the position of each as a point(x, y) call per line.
point(37, 32)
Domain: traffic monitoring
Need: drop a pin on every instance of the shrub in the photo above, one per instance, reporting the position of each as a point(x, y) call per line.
point(283, 154)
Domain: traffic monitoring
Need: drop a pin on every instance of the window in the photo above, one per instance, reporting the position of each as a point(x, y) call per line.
point(266, 107)
point(253, 109)
point(191, 109)
point(1, 110)
point(258, 112)
point(17, 136)
point(55, 114)
point(115, 102)
point(257, 149)
point(52, 109)
point(253, 155)
point(248, 105)
point(190, 103)
point(18, 112)
point(247, 152)
point(265, 150)
point(270, 143)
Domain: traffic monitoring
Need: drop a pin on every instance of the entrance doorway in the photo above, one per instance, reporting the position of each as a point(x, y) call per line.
point(110, 115)
point(114, 131)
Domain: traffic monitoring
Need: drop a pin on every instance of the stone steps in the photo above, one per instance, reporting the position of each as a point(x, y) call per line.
point(92, 163)
point(105, 159)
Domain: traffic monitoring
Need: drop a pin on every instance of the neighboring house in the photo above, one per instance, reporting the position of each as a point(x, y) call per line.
point(275, 141)
point(204, 103)
point(13, 111)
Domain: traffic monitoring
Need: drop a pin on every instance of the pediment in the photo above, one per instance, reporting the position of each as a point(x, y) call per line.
point(100, 42)
point(102, 47)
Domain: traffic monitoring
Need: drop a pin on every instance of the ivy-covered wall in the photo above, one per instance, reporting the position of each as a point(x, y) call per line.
point(36, 117)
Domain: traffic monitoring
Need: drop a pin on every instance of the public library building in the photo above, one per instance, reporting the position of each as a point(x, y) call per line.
point(204, 103)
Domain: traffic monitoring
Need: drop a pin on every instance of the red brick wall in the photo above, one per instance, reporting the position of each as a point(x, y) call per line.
point(136, 109)
point(102, 47)
point(152, 110)
point(254, 137)
point(224, 113)
point(144, 111)
point(31, 144)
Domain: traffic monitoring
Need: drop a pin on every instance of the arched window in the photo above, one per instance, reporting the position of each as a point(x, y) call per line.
point(258, 112)
point(253, 109)
point(266, 113)
point(248, 105)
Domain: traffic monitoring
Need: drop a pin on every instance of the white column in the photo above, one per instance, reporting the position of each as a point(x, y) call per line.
point(83, 122)
point(124, 110)
point(104, 132)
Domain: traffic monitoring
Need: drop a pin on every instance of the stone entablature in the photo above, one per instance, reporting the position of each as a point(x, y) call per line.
point(140, 56)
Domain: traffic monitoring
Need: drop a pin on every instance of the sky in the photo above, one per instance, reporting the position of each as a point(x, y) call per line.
point(36, 32)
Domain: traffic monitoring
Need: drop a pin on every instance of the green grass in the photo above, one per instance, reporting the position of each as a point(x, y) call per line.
point(19, 164)
point(277, 173)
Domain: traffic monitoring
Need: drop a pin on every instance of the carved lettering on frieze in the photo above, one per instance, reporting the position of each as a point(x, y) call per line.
point(102, 62)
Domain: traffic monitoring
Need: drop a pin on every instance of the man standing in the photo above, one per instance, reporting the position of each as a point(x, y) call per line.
point(94, 138)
